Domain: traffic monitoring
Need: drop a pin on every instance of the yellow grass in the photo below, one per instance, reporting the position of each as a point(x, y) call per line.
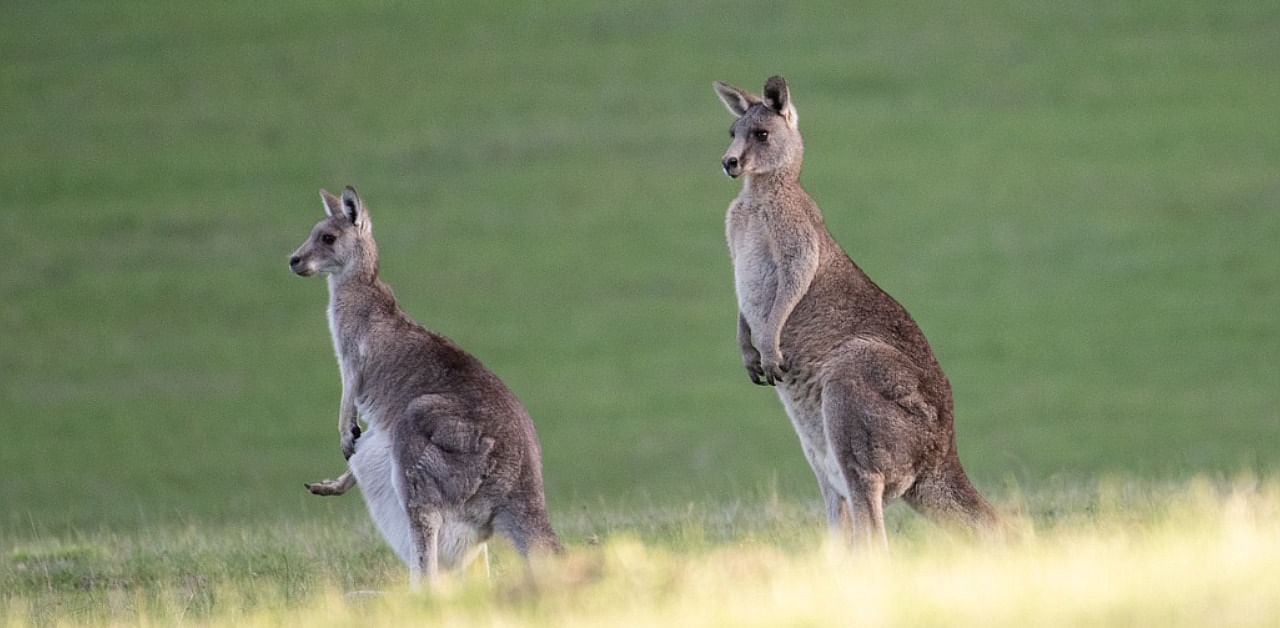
point(1201, 556)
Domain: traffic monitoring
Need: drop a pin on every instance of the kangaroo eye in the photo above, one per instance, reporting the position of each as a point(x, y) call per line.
point(731, 133)
point(328, 238)
point(763, 136)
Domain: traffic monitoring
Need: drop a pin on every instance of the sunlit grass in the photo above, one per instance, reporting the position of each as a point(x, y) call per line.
point(1200, 554)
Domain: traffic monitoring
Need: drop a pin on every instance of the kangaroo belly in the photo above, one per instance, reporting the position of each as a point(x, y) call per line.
point(805, 411)
point(376, 476)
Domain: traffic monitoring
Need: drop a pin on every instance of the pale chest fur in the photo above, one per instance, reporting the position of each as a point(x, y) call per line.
point(351, 350)
point(344, 347)
point(754, 269)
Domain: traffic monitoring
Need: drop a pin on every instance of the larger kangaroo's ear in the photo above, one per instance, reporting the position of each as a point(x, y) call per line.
point(778, 98)
point(353, 208)
point(738, 101)
point(332, 205)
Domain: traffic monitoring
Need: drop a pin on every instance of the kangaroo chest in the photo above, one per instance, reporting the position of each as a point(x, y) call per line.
point(754, 268)
point(353, 353)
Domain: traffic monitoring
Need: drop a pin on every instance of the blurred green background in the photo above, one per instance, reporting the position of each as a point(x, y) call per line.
point(1079, 202)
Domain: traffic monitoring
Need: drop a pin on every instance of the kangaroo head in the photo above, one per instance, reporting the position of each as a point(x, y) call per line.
point(765, 137)
point(341, 242)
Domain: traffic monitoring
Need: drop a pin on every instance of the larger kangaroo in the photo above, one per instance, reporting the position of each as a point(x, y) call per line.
point(449, 454)
point(871, 405)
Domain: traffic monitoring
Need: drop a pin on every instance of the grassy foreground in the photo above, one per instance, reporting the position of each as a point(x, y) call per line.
point(1079, 202)
point(1117, 554)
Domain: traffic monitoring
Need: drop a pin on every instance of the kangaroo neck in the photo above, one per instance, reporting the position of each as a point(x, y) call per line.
point(773, 183)
point(354, 296)
point(769, 191)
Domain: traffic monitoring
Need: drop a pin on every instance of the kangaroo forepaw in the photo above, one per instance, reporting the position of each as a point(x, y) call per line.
point(751, 362)
point(348, 442)
point(772, 371)
point(326, 487)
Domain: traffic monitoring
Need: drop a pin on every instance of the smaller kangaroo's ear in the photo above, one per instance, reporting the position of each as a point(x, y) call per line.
point(736, 100)
point(778, 98)
point(332, 205)
point(353, 208)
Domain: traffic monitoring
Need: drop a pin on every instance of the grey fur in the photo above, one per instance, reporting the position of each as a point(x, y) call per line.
point(449, 454)
point(865, 394)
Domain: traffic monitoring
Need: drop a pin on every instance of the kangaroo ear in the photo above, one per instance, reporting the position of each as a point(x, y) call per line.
point(353, 208)
point(778, 98)
point(332, 205)
point(738, 101)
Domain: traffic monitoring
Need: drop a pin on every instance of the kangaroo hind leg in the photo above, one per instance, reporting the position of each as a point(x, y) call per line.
point(425, 522)
point(864, 454)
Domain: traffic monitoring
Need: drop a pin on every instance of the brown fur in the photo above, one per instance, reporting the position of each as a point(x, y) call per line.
point(449, 454)
point(868, 399)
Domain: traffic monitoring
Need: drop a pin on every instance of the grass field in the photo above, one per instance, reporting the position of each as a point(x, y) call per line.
point(1080, 204)
point(1195, 555)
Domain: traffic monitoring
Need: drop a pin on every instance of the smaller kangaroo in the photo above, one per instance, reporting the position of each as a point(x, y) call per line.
point(868, 399)
point(449, 454)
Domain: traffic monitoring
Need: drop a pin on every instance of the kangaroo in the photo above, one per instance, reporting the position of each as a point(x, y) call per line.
point(449, 455)
point(865, 394)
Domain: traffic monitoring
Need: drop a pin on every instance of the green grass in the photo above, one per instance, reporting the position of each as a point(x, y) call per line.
point(1080, 203)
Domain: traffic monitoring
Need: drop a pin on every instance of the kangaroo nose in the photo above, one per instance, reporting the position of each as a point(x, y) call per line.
point(293, 261)
point(731, 166)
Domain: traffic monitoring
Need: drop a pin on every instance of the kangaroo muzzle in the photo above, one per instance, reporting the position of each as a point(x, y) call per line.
point(300, 267)
point(732, 166)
